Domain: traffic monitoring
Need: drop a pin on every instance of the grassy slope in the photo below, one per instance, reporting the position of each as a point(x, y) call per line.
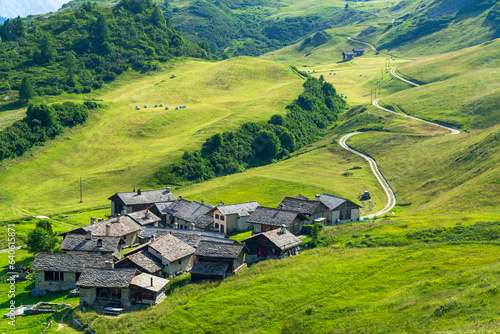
point(463, 88)
point(429, 288)
point(119, 147)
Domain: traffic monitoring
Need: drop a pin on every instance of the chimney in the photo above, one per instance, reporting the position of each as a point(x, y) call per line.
point(99, 242)
point(176, 225)
point(146, 214)
point(109, 264)
point(99, 219)
point(123, 212)
point(168, 189)
point(89, 235)
point(92, 220)
point(192, 226)
point(153, 237)
point(134, 190)
point(152, 281)
point(138, 191)
point(108, 230)
point(283, 229)
point(202, 201)
point(317, 197)
point(280, 207)
point(180, 196)
point(118, 218)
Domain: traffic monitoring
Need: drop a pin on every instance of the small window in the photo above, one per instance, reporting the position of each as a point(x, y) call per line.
point(217, 226)
point(222, 228)
point(222, 218)
point(180, 261)
point(216, 216)
point(54, 276)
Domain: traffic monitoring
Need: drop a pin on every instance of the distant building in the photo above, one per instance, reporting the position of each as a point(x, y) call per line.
point(89, 244)
point(358, 52)
point(339, 209)
point(311, 209)
point(347, 55)
point(216, 260)
point(265, 219)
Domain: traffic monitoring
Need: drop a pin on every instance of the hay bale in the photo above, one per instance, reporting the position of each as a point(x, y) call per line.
point(161, 104)
point(137, 108)
point(166, 108)
point(145, 106)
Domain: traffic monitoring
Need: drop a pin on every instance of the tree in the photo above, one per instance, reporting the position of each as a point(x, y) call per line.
point(39, 240)
point(46, 54)
point(266, 145)
point(70, 64)
point(157, 17)
point(44, 114)
point(26, 91)
point(287, 141)
point(100, 33)
point(46, 225)
point(315, 234)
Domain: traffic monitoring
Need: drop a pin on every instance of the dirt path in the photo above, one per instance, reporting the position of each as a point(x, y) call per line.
point(393, 72)
point(391, 198)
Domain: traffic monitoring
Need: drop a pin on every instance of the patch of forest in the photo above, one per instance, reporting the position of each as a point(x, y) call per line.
point(81, 50)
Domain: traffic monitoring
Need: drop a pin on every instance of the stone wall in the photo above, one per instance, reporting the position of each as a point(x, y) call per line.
point(52, 286)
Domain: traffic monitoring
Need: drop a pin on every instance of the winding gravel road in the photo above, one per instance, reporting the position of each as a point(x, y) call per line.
point(391, 198)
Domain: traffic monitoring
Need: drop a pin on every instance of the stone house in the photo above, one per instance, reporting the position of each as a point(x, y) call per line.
point(311, 209)
point(224, 258)
point(90, 244)
point(120, 288)
point(161, 209)
point(176, 256)
point(265, 219)
point(339, 209)
point(59, 272)
point(358, 52)
point(143, 261)
point(229, 218)
point(169, 210)
point(191, 237)
point(194, 216)
point(123, 227)
point(347, 55)
point(139, 200)
point(275, 244)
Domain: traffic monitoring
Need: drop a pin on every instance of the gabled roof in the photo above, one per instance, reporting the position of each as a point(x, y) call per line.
point(106, 278)
point(304, 206)
point(142, 259)
point(148, 232)
point(283, 241)
point(241, 209)
point(333, 202)
point(121, 228)
point(146, 197)
point(194, 240)
point(171, 248)
point(348, 53)
point(144, 281)
point(210, 268)
point(79, 242)
point(68, 262)
point(178, 205)
point(275, 217)
point(192, 211)
point(213, 249)
point(300, 196)
point(163, 207)
point(144, 217)
point(358, 49)
point(203, 221)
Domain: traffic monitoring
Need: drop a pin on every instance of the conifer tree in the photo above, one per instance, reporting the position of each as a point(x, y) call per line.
point(26, 89)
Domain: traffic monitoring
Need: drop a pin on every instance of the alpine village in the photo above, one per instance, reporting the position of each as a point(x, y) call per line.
point(237, 166)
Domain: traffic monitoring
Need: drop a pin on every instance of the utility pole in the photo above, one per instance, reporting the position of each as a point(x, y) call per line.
point(375, 93)
point(81, 191)
point(371, 95)
point(382, 72)
point(379, 87)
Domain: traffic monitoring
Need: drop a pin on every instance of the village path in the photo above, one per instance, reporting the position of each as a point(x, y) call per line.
point(391, 198)
point(393, 72)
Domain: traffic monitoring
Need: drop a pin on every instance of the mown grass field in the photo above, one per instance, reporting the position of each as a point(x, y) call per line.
point(119, 148)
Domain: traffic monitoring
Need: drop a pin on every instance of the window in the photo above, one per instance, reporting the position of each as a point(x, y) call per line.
point(222, 228)
point(216, 216)
point(222, 217)
point(217, 226)
point(180, 261)
point(54, 276)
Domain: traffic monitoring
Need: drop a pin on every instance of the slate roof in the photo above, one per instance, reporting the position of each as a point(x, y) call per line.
point(144, 217)
point(79, 242)
point(333, 202)
point(143, 259)
point(171, 248)
point(106, 278)
point(219, 250)
point(148, 232)
point(193, 212)
point(300, 196)
point(203, 221)
point(283, 241)
point(358, 49)
point(209, 268)
point(144, 281)
point(178, 205)
point(242, 209)
point(348, 52)
point(125, 226)
point(193, 240)
point(68, 262)
point(275, 217)
point(306, 207)
point(163, 207)
point(146, 197)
